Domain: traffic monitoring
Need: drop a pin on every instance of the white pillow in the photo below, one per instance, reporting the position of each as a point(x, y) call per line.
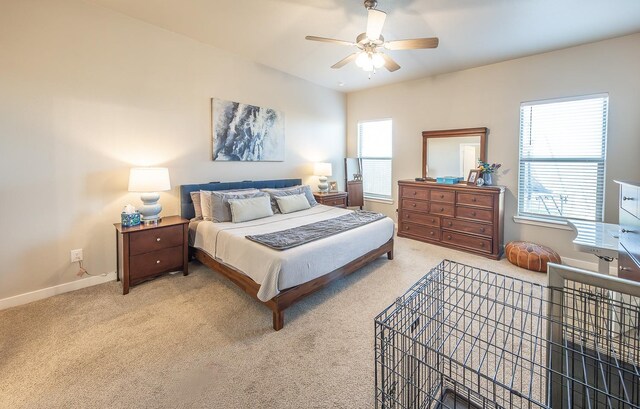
point(243, 210)
point(197, 207)
point(292, 203)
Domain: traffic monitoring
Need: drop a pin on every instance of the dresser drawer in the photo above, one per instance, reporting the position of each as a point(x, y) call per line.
point(338, 202)
point(630, 239)
point(475, 199)
point(415, 193)
point(629, 196)
point(421, 218)
point(463, 240)
point(442, 196)
point(474, 214)
point(156, 262)
point(155, 239)
point(627, 268)
point(416, 205)
point(424, 232)
point(443, 209)
point(468, 227)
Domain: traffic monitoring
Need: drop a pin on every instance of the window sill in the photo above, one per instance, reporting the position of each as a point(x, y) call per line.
point(379, 200)
point(535, 221)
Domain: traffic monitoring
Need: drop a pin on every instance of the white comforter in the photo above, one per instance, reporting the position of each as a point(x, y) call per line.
point(278, 270)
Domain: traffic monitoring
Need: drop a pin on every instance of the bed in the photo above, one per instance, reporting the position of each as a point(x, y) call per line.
point(280, 278)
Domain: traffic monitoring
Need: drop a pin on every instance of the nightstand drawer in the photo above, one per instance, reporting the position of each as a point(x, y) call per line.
point(156, 262)
point(340, 202)
point(155, 239)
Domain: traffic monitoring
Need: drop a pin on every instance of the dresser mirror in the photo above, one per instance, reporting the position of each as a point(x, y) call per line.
point(453, 152)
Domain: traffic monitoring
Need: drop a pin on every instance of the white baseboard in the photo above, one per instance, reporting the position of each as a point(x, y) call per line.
point(588, 265)
point(58, 289)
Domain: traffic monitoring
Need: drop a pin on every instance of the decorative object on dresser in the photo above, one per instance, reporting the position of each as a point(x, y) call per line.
point(322, 170)
point(629, 244)
point(463, 217)
point(336, 199)
point(355, 191)
point(149, 181)
point(243, 132)
point(487, 170)
point(333, 186)
point(531, 256)
point(147, 251)
point(453, 151)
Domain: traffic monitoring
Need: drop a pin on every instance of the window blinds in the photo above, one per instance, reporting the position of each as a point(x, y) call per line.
point(374, 148)
point(562, 158)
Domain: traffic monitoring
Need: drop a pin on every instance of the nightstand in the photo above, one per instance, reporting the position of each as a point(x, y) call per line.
point(147, 251)
point(336, 199)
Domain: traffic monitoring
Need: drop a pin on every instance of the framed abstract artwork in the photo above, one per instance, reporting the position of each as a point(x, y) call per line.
point(243, 132)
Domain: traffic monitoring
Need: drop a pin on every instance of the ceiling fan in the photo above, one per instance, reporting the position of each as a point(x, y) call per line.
point(370, 43)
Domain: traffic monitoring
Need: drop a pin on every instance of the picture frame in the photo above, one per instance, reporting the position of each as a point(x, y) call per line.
point(333, 186)
point(474, 175)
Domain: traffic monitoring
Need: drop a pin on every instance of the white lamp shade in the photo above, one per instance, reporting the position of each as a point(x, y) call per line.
point(322, 169)
point(149, 180)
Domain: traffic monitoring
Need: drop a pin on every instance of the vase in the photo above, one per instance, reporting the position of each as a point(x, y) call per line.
point(488, 181)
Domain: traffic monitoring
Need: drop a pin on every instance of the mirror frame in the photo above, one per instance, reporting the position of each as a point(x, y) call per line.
point(426, 135)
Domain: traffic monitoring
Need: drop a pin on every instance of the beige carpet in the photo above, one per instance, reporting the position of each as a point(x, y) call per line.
point(199, 342)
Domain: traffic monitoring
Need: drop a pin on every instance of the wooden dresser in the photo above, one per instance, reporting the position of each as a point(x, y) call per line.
point(629, 245)
point(463, 217)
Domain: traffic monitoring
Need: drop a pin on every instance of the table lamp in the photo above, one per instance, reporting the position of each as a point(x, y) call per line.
point(149, 181)
point(322, 169)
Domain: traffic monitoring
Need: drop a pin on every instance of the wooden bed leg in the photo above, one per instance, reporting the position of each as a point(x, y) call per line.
point(390, 255)
point(278, 320)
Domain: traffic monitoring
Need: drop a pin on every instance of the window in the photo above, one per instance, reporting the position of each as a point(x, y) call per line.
point(562, 158)
point(374, 148)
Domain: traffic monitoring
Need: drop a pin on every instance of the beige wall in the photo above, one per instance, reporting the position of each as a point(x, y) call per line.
point(491, 95)
point(86, 93)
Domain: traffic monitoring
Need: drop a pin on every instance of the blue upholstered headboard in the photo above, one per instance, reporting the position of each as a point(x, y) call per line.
point(186, 204)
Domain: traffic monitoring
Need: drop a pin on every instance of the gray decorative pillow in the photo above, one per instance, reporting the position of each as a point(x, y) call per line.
point(214, 208)
point(244, 210)
point(220, 209)
point(288, 191)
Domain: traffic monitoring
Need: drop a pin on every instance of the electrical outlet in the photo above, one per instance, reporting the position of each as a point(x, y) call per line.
point(76, 255)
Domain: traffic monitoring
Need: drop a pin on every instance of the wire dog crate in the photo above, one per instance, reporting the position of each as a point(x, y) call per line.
point(463, 337)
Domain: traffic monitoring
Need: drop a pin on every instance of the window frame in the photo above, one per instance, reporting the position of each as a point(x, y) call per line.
point(553, 220)
point(367, 195)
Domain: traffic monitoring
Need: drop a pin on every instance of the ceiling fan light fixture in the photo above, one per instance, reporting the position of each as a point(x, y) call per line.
point(362, 59)
point(377, 60)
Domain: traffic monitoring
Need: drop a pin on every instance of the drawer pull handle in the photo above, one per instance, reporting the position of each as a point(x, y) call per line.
point(482, 229)
point(450, 224)
point(442, 209)
point(158, 239)
point(433, 220)
point(414, 205)
point(414, 193)
point(406, 227)
point(157, 261)
point(627, 231)
point(621, 268)
point(482, 244)
point(441, 196)
point(473, 213)
point(449, 237)
point(473, 199)
point(432, 233)
point(627, 198)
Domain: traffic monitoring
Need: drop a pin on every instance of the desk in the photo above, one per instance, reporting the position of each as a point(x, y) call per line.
point(599, 239)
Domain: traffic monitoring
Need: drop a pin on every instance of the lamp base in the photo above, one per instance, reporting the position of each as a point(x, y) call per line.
point(150, 210)
point(323, 186)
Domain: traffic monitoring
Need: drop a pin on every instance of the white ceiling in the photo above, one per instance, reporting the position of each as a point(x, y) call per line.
point(471, 32)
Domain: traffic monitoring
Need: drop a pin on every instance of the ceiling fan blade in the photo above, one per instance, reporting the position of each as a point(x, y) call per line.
point(389, 64)
point(345, 61)
point(329, 40)
point(375, 22)
point(413, 44)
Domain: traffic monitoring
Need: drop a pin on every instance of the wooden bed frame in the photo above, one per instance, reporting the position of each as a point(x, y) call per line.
point(286, 297)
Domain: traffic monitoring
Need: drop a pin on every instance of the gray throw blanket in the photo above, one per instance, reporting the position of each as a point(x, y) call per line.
point(286, 239)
